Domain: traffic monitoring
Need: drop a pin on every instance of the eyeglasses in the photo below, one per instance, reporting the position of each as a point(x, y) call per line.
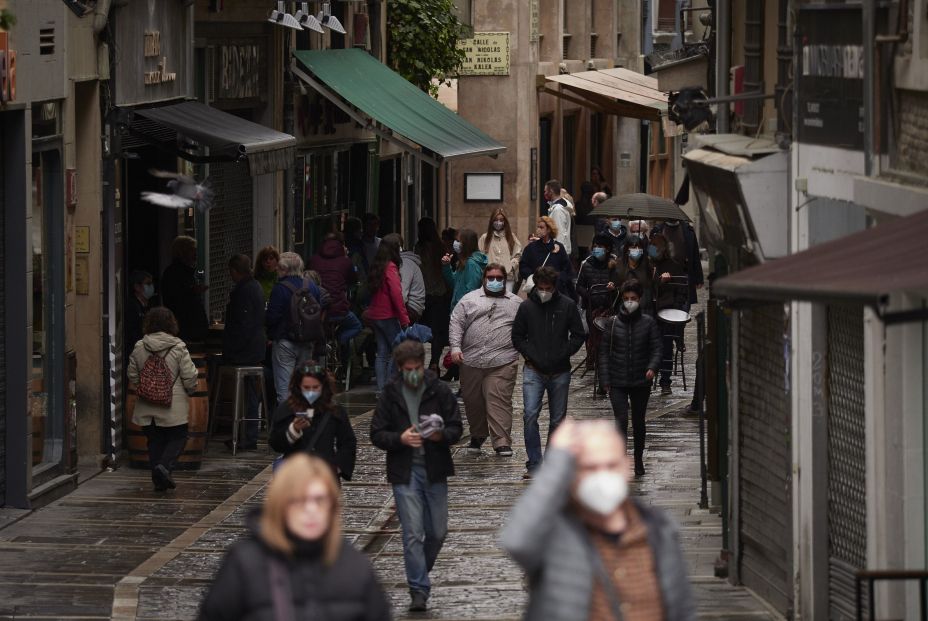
point(312, 369)
point(305, 502)
point(496, 278)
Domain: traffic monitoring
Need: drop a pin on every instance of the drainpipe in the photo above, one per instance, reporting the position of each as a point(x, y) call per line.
point(101, 15)
point(869, 28)
point(722, 61)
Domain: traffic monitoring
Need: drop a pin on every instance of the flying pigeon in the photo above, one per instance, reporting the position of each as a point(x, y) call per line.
point(184, 192)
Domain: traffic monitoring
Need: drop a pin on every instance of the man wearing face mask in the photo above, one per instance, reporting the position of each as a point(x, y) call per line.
point(629, 357)
point(416, 421)
point(617, 233)
point(143, 290)
point(590, 551)
point(481, 343)
point(670, 292)
point(547, 331)
point(595, 287)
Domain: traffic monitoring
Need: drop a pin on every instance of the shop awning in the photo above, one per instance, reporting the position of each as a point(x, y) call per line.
point(618, 91)
point(229, 138)
point(864, 268)
point(384, 102)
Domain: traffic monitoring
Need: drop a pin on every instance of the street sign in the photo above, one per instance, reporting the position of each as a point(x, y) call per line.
point(487, 53)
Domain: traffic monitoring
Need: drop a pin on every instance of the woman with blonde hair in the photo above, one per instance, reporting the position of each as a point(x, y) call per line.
point(294, 563)
point(545, 250)
point(500, 245)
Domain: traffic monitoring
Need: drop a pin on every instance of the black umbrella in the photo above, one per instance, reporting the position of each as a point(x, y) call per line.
point(640, 207)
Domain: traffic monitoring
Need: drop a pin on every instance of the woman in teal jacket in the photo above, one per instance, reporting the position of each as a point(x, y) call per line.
point(467, 275)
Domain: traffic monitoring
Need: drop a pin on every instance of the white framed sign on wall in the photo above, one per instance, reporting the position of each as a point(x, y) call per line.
point(484, 187)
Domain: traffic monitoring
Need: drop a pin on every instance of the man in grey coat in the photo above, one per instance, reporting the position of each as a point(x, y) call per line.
point(589, 550)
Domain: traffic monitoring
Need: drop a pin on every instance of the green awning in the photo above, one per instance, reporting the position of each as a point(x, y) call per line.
point(386, 97)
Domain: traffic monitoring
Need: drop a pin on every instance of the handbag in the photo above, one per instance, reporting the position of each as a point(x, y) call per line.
point(529, 283)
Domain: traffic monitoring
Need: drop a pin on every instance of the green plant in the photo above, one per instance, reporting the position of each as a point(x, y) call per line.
point(7, 19)
point(423, 37)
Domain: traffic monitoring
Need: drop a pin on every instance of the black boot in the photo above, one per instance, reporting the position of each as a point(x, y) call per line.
point(639, 464)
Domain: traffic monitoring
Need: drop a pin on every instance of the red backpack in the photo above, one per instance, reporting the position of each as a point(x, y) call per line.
point(156, 382)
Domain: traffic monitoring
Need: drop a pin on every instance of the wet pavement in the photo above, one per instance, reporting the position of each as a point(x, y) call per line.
point(116, 549)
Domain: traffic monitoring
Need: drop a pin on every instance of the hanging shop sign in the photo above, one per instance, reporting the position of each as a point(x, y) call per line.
point(831, 77)
point(486, 53)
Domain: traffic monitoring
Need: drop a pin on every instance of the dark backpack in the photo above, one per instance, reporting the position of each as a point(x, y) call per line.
point(305, 321)
point(156, 382)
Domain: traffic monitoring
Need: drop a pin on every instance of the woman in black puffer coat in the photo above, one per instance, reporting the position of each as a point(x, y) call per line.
point(629, 356)
point(310, 421)
point(294, 563)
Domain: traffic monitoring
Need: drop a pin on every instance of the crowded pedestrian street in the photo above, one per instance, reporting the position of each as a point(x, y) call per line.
point(116, 550)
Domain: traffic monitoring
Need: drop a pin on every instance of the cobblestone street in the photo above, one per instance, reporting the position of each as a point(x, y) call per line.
point(113, 549)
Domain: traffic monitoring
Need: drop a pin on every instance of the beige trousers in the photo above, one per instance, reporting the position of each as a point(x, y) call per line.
point(487, 395)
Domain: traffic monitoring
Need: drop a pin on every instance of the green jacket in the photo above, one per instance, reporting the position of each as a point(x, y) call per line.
point(468, 278)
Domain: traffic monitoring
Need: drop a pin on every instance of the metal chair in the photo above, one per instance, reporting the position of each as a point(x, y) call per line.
point(239, 374)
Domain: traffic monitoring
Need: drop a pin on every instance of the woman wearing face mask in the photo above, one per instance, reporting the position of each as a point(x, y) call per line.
point(596, 280)
point(636, 265)
point(545, 250)
point(629, 357)
point(310, 421)
point(467, 274)
point(294, 562)
point(500, 245)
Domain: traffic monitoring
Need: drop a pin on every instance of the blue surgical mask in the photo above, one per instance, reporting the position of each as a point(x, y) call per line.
point(495, 286)
point(652, 252)
point(312, 396)
point(148, 291)
point(598, 253)
point(615, 225)
point(635, 253)
point(456, 246)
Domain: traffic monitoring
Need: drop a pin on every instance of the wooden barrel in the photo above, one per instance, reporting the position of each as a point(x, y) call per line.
point(192, 456)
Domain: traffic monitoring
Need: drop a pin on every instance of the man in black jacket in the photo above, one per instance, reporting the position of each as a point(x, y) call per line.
point(182, 291)
point(243, 339)
point(629, 357)
point(416, 421)
point(547, 331)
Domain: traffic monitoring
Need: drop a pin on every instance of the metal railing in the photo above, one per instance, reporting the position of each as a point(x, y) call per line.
point(872, 576)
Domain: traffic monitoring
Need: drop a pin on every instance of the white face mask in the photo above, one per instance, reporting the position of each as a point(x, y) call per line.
point(602, 492)
point(545, 296)
point(630, 305)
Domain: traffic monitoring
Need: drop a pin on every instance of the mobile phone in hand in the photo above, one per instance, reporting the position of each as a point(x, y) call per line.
point(308, 415)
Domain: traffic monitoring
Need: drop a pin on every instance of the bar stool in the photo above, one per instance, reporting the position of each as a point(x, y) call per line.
point(238, 374)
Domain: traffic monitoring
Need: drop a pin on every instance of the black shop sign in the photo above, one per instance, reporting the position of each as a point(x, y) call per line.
point(831, 77)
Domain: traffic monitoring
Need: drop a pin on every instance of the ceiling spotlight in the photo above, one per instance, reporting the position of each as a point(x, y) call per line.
point(307, 20)
point(280, 17)
point(330, 21)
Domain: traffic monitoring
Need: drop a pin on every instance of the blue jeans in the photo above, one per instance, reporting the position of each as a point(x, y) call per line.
point(423, 512)
point(534, 385)
point(348, 327)
point(285, 356)
point(385, 330)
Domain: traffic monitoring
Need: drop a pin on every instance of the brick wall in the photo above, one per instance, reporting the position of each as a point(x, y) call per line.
point(231, 226)
point(764, 414)
point(912, 146)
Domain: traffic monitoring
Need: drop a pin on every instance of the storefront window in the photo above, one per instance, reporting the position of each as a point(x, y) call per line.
point(46, 408)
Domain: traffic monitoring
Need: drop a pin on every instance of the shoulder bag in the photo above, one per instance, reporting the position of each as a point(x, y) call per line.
point(529, 283)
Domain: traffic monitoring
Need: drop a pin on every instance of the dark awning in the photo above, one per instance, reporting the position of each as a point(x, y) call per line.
point(227, 136)
point(864, 268)
point(384, 96)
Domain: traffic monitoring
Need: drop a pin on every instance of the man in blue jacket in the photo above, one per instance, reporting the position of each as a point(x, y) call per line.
point(285, 353)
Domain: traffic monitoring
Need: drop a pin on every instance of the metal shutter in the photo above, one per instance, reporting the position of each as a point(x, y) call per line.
point(847, 507)
point(765, 558)
point(231, 226)
point(2, 331)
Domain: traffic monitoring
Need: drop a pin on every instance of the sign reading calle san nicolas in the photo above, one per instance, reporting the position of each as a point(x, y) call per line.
point(487, 53)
